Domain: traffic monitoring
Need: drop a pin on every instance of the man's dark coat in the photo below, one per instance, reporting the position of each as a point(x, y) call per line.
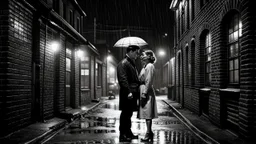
point(129, 82)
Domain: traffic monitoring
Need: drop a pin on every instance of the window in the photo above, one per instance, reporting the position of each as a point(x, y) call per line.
point(178, 25)
point(192, 5)
point(71, 18)
point(61, 8)
point(171, 72)
point(182, 20)
point(187, 14)
point(234, 33)
point(81, 24)
point(192, 62)
point(208, 47)
point(98, 74)
point(68, 67)
point(78, 24)
point(188, 65)
point(85, 73)
point(165, 74)
point(64, 11)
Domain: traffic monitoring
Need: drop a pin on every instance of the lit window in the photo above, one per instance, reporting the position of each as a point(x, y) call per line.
point(85, 72)
point(234, 33)
point(188, 65)
point(68, 67)
point(98, 74)
point(208, 47)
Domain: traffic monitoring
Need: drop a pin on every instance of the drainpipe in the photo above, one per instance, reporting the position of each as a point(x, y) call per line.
point(175, 60)
point(183, 76)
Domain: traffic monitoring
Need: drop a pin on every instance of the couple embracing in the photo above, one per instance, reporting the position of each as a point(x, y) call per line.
point(134, 87)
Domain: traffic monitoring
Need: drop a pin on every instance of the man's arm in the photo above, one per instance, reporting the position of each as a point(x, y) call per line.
point(122, 77)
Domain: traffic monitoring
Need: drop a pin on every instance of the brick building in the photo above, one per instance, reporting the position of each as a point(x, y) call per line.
point(46, 65)
point(213, 71)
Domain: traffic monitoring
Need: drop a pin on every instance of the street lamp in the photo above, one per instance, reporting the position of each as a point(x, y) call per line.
point(161, 53)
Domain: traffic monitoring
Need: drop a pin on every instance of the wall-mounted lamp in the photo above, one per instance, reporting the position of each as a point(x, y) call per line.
point(55, 46)
point(109, 58)
point(80, 54)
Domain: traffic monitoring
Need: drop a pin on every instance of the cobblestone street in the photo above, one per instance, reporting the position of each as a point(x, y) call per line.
point(101, 126)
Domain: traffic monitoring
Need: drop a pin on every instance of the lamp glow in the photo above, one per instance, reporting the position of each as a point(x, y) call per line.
point(55, 46)
point(109, 58)
point(80, 54)
point(161, 53)
point(111, 70)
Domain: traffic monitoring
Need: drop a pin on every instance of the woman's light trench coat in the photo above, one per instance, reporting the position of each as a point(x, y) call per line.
point(149, 111)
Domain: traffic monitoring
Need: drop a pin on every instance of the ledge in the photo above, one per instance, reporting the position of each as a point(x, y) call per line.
point(230, 90)
point(85, 89)
point(205, 89)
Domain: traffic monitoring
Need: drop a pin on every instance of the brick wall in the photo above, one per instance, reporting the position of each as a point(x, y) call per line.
point(211, 17)
point(85, 97)
point(92, 76)
point(17, 100)
point(3, 61)
point(77, 80)
point(47, 70)
point(104, 80)
point(32, 75)
point(247, 113)
point(60, 76)
point(191, 99)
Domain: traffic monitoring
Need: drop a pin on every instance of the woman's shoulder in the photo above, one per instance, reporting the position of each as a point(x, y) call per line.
point(150, 65)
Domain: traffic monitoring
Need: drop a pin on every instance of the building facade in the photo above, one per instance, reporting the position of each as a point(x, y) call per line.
point(46, 64)
point(212, 73)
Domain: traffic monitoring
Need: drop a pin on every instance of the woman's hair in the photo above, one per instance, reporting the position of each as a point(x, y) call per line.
point(152, 57)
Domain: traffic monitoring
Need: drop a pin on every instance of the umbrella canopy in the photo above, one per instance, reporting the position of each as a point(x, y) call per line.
point(126, 41)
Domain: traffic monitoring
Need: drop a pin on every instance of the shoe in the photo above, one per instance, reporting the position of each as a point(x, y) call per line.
point(124, 138)
point(148, 137)
point(131, 135)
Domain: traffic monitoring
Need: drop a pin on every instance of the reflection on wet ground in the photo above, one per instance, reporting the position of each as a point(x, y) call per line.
point(110, 105)
point(101, 126)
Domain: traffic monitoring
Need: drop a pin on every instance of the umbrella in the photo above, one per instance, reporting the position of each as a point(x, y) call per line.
point(131, 40)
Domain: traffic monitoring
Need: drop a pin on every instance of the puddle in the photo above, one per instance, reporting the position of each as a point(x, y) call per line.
point(110, 105)
point(100, 123)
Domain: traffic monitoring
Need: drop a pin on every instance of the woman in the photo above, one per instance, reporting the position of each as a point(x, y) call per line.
point(148, 108)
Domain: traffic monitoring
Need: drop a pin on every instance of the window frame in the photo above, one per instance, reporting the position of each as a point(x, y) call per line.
point(83, 68)
point(71, 17)
point(235, 43)
point(68, 71)
point(98, 74)
point(188, 66)
point(207, 56)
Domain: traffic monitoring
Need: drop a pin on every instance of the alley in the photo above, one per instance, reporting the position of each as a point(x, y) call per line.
point(101, 126)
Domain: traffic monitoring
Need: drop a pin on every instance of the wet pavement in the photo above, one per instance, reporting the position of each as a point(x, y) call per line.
point(101, 125)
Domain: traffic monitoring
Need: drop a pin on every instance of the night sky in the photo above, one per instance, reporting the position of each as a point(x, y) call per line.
point(148, 19)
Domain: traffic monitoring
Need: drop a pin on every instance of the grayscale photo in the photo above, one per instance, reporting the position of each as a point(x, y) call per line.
point(127, 71)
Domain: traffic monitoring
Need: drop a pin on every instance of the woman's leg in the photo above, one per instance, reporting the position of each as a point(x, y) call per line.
point(149, 134)
point(149, 125)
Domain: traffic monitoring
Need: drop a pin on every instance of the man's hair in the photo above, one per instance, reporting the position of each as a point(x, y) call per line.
point(132, 48)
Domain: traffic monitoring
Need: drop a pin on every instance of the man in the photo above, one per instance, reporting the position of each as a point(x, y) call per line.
point(127, 76)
